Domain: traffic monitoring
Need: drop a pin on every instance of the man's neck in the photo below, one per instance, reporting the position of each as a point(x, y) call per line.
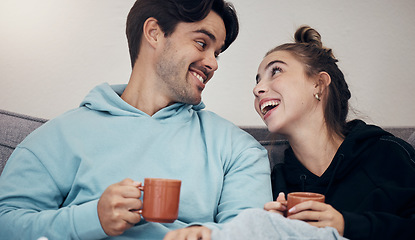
point(142, 92)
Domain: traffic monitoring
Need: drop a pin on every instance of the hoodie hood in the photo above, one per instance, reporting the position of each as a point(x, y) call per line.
point(358, 140)
point(106, 98)
point(360, 137)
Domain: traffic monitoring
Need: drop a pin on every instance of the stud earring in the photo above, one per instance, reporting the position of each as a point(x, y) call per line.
point(317, 96)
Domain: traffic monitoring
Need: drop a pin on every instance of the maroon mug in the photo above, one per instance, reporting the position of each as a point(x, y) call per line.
point(161, 200)
point(295, 198)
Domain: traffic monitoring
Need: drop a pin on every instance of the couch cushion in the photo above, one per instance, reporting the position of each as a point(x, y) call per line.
point(13, 129)
point(411, 139)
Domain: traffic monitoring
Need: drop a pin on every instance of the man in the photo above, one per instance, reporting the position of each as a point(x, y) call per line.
point(72, 177)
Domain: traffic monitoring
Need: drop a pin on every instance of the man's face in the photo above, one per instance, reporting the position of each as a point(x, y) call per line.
point(187, 60)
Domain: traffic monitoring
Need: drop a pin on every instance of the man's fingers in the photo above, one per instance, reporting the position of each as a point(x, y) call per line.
point(132, 217)
point(189, 233)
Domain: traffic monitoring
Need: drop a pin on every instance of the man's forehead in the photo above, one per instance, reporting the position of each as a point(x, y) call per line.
point(211, 25)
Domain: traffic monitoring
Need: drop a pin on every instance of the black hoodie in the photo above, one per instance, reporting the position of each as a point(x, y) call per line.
point(370, 181)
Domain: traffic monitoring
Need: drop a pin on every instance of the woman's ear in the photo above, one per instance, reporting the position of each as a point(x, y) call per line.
point(323, 81)
point(152, 31)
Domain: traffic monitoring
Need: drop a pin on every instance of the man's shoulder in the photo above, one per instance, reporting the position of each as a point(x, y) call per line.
point(209, 117)
point(219, 126)
point(58, 125)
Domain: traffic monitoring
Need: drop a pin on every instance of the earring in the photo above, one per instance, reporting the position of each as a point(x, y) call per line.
point(317, 96)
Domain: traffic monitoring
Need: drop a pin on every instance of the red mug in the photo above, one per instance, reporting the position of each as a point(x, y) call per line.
point(161, 200)
point(295, 198)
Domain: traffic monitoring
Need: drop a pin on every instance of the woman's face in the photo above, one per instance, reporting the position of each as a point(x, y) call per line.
point(284, 95)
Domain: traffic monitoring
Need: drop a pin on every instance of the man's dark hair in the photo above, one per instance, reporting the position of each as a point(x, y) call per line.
point(170, 12)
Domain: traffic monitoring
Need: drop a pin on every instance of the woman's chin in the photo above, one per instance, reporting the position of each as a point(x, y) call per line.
point(274, 127)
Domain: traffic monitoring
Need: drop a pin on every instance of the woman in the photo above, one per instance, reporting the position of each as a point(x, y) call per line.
point(366, 174)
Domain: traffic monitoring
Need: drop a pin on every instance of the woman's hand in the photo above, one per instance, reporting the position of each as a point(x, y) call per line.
point(318, 214)
point(278, 206)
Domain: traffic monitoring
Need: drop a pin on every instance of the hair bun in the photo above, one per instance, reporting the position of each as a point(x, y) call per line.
point(306, 34)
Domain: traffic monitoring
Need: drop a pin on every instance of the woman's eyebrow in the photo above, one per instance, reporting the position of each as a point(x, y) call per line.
point(272, 63)
point(258, 77)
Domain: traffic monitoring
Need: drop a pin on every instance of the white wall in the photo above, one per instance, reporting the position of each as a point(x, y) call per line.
point(52, 52)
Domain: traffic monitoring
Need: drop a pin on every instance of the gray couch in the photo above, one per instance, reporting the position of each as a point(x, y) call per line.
point(14, 127)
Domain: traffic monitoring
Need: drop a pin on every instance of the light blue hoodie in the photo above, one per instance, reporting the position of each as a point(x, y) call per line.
point(52, 182)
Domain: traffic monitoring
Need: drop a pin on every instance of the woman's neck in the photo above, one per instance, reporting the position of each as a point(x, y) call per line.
point(315, 147)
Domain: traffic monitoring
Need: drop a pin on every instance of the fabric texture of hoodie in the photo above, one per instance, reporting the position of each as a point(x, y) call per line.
point(370, 181)
point(52, 182)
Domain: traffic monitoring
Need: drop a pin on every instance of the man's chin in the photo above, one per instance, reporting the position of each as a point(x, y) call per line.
point(194, 101)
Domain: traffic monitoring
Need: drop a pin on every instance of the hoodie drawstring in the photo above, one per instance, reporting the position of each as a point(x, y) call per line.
point(303, 178)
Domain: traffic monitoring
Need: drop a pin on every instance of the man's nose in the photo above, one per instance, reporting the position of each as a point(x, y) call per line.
point(210, 62)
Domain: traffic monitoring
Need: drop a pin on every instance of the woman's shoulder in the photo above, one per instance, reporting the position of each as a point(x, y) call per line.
point(392, 144)
point(393, 154)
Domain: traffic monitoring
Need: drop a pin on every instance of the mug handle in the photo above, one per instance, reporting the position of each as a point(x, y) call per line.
point(139, 211)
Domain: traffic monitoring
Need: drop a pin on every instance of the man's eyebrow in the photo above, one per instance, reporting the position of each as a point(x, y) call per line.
point(207, 33)
point(210, 35)
point(258, 77)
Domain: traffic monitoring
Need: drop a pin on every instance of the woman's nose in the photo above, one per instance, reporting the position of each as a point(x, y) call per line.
point(259, 89)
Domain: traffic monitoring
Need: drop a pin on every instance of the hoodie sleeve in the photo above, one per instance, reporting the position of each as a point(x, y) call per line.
point(246, 182)
point(392, 170)
point(246, 177)
point(30, 204)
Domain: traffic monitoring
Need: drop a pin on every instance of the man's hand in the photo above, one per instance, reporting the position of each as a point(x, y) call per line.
point(118, 205)
point(319, 215)
point(189, 233)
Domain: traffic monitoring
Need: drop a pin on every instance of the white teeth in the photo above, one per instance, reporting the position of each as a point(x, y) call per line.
point(198, 77)
point(272, 103)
